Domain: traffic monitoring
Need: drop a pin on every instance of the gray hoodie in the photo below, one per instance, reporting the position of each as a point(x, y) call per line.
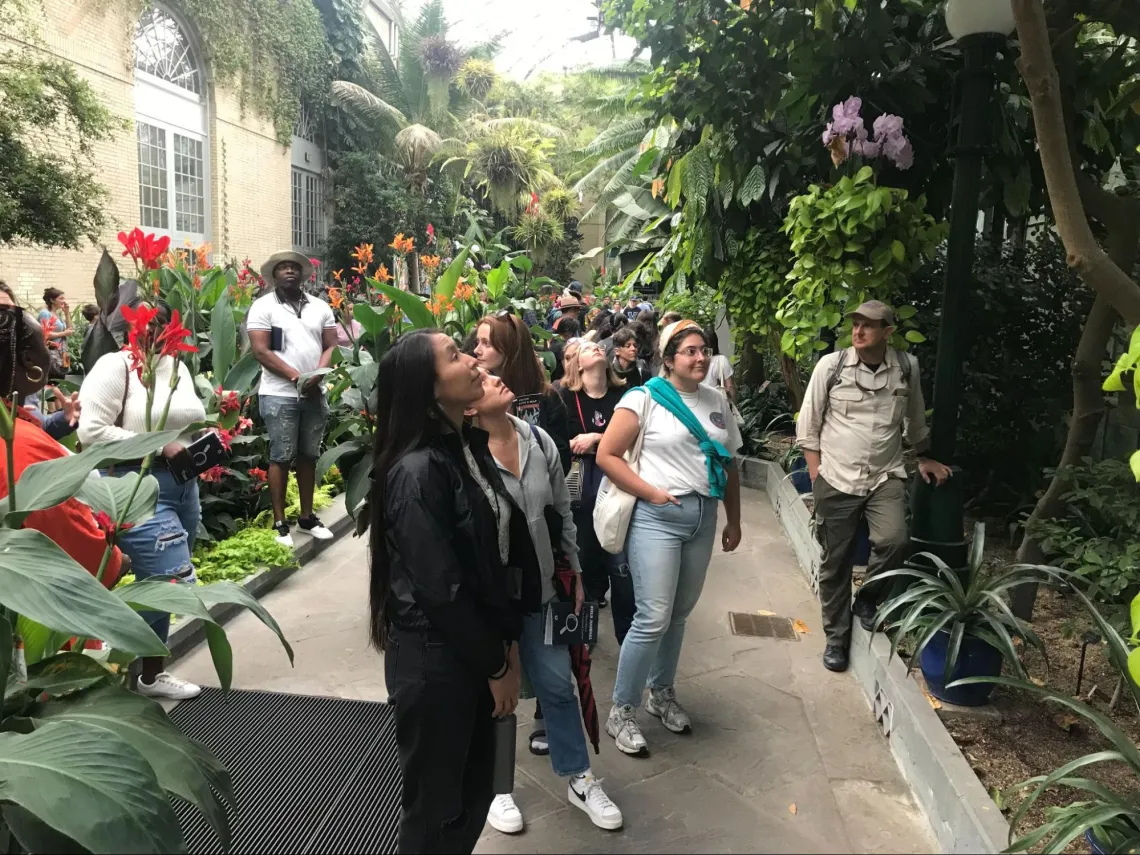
point(542, 484)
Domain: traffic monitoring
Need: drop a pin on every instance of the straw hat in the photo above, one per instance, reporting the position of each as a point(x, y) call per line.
point(279, 258)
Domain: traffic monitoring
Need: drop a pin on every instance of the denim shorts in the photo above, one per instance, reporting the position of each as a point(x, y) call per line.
point(296, 426)
point(162, 545)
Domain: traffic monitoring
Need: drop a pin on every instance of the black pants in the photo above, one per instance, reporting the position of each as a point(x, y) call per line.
point(602, 571)
point(444, 736)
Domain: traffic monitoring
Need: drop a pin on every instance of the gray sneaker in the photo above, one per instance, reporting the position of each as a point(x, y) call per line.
point(622, 726)
point(663, 704)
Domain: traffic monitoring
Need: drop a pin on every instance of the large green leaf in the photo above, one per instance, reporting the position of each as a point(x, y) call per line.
point(65, 673)
point(185, 768)
point(445, 286)
point(47, 484)
point(6, 647)
point(42, 582)
point(416, 310)
point(364, 378)
point(113, 494)
point(229, 593)
point(39, 641)
point(332, 455)
point(243, 374)
point(223, 334)
point(498, 278)
point(358, 485)
point(91, 785)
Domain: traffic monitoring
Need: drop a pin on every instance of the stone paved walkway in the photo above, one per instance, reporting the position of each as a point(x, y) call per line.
point(785, 756)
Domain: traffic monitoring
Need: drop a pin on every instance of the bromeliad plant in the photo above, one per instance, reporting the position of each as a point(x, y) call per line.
point(1113, 818)
point(976, 607)
point(86, 764)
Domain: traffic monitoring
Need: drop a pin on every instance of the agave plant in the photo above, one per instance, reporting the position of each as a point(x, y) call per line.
point(940, 601)
point(1113, 818)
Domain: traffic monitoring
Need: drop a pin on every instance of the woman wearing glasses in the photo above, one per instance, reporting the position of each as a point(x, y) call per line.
point(504, 348)
point(681, 482)
point(591, 392)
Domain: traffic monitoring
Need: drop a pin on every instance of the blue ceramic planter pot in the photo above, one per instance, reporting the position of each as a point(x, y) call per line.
point(800, 477)
point(976, 658)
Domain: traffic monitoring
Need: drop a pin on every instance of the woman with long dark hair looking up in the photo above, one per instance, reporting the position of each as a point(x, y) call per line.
point(441, 609)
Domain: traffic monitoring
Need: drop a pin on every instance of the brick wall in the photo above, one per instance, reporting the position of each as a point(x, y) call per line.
point(250, 213)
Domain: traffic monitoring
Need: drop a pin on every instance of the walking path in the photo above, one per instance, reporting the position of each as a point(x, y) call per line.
point(785, 756)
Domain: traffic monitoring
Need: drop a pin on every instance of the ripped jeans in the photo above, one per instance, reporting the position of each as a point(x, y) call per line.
point(162, 545)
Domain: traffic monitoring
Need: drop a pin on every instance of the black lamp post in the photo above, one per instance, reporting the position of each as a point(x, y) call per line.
point(981, 28)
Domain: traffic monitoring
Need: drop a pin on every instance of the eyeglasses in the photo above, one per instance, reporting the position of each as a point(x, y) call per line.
point(502, 313)
point(690, 352)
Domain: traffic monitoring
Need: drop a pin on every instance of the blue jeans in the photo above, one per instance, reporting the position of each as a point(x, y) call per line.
point(162, 545)
point(547, 666)
point(669, 549)
point(296, 426)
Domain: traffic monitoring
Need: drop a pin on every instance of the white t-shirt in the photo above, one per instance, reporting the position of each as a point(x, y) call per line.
point(720, 369)
point(303, 337)
point(670, 456)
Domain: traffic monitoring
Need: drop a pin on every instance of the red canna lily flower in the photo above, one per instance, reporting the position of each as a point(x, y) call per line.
point(259, 474)
point(430, 233)
point(145, 249)
point(138, 334)
point(107, 525)
point(172, 340)
point(213, 475)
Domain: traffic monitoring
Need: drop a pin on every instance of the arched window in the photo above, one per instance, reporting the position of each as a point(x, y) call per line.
point(170, 120)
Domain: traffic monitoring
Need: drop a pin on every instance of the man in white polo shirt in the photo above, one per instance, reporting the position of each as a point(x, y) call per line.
point(292, 334)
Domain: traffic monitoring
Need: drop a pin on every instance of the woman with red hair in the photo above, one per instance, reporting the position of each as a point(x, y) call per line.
point(504, 349)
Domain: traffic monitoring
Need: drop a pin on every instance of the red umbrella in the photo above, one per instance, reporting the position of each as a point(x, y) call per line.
point(566, 578)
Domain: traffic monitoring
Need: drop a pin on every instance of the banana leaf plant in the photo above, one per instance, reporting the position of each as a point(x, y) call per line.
point(940, 601)
point(85, 764)
point(1112, 817)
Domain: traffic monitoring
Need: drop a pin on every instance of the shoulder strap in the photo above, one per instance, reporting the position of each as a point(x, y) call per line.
point(581, 418)
point(126, 388)
point(833, 381)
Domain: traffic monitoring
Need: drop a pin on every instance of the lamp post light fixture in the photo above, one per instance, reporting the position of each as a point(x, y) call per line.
point(981, 28)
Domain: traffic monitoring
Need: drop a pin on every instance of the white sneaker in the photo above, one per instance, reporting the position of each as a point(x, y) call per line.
point(622, 726)
point(166, 685)
point(585, 792)
point(283, 536)
point(663, 704)
point(315, 528)
point(505, 815)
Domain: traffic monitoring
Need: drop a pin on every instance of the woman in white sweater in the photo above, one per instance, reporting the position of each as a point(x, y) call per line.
point(114, 403)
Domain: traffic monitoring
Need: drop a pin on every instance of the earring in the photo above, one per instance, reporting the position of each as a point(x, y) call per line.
point(39, 374)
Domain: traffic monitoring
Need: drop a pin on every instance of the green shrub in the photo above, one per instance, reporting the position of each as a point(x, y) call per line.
point(1096, 537)
point(241, 555)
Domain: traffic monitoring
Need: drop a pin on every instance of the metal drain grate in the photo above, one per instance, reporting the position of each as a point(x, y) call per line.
point(762, 626)
point(311, 774)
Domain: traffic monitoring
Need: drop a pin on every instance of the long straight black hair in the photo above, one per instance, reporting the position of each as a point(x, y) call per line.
point(406, 409)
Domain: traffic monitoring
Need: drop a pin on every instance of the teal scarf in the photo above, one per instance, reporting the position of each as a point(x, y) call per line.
point(716, 455)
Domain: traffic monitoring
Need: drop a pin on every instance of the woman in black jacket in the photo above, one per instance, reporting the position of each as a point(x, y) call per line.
point(503, 348)
point(441, 601)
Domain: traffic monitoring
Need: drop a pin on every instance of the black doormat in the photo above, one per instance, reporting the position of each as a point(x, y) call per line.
point(311, 774)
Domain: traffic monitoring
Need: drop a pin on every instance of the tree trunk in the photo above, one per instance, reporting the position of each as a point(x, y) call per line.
point(1116, 292)
point(1086, 257)
point(1121, 217)
point(751, 360)
point(414, 273)
point(793, 380)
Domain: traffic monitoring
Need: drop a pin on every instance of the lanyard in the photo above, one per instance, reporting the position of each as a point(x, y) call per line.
point(581, 418)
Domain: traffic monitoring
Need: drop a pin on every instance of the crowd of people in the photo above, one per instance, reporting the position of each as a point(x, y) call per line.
point(488, 470)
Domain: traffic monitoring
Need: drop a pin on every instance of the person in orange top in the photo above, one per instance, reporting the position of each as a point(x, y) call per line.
point(24, 365)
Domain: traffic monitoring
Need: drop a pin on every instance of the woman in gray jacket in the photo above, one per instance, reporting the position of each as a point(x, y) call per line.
point(528, 461)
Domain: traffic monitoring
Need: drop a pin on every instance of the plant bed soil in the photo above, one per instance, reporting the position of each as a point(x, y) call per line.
point(1034, 737)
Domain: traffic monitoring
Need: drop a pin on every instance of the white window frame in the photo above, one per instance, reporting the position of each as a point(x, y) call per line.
point(307, 187)
point(175, 112)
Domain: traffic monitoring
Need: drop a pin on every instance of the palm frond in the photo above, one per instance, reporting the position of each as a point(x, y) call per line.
point(382, 76)
point(604, 167)
point(359, 100)
point(620, 135)
point(631, 70)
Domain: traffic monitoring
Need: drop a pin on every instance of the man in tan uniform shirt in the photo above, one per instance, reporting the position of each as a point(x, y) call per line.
point(859, 403)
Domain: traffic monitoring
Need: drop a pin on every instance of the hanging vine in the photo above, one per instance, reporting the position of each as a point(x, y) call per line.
point(275, 53)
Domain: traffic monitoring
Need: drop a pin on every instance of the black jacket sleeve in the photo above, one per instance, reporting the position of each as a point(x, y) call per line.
point(419, 532)
point(555, 422)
